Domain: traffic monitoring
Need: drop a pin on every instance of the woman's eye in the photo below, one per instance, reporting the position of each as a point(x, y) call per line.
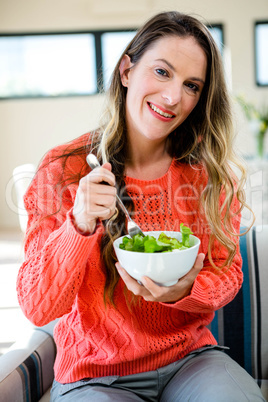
point(162, 72)
point(193, 87)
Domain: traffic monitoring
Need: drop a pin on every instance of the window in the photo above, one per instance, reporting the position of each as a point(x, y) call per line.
point(261, 54)
point(112, 45)
point(63, 64)
point(217, 33)
point(47, 65)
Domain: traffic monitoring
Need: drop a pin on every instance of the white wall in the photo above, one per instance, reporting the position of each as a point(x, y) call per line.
point(30, 127)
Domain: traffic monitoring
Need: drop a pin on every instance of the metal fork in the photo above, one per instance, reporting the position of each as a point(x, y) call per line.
point(132, 227)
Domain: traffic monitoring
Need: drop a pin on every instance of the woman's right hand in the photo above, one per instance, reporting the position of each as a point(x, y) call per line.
point(94, 200)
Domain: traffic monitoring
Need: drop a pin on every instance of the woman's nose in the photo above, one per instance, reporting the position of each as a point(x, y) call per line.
point(172, 94)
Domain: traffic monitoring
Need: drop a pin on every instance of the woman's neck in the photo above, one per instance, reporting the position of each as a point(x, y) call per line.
point(147, 163)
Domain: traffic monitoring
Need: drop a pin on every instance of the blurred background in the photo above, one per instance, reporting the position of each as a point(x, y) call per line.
point(36, 118)
point(30, 126)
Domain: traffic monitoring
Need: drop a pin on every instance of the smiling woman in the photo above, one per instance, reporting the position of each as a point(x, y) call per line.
point(165, 85)
point(166, 146)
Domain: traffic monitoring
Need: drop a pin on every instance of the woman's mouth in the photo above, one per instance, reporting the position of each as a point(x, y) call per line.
point(161, 112)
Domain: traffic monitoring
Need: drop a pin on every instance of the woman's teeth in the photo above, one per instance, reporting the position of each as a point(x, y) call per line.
point(159, 111)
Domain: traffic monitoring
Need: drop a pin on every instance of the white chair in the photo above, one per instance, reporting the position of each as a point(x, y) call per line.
point(22, 177)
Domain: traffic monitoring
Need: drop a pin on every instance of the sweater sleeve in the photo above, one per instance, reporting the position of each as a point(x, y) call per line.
point(56, 255)
point(213, 288)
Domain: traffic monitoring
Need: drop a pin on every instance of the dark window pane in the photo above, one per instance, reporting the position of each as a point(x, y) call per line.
point(261, 43)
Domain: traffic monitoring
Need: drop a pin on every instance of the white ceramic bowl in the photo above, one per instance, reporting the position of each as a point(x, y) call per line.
point(163, 268)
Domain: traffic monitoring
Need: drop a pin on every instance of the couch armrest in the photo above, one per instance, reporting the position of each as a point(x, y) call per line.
point(26, 369)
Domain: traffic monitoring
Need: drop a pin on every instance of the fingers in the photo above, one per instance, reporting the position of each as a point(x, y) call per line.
point(199, 261)
point(134, 286)
point(150, 291)
point(98, 194)
point(95, 199)
point(198, 265)
point(184, 286)
point(102, 174)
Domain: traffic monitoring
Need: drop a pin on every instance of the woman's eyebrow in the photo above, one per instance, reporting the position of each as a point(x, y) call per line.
point(168, 63)
point(173, 69)
point(197, 79)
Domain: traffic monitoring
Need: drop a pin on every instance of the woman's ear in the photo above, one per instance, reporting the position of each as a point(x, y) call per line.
point(124, 69)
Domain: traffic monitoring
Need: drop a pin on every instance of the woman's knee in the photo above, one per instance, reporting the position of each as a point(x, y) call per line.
point(209, 377)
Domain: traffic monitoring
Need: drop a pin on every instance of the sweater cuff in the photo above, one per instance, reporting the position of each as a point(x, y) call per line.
point(71, 219)
point(72, 242)
point(196, 302)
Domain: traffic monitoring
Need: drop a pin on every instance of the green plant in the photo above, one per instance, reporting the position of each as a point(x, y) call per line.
point(260, 118)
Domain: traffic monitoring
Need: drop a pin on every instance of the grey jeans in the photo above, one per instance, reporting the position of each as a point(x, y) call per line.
point(205, 375)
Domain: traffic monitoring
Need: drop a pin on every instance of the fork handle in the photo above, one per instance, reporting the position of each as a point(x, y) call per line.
point(123, 207)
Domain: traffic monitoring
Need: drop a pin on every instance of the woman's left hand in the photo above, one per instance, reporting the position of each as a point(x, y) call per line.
point(165, 294)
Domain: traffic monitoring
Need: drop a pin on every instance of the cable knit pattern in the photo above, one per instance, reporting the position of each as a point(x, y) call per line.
point(62, 276)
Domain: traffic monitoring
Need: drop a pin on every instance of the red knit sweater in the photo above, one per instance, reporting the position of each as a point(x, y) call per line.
point(62, 276)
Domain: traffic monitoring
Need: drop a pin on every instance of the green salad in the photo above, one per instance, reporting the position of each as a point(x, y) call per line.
point(149, 244)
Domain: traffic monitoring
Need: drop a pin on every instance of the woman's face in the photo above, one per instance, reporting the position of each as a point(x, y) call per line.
point(163, 87)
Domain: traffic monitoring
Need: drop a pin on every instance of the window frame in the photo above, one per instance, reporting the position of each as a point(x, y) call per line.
point(221, 27)
point(257, 82)
point(98, 57)
point(51, 33)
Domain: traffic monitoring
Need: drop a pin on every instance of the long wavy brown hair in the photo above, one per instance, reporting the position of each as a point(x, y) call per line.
point(210, 121)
